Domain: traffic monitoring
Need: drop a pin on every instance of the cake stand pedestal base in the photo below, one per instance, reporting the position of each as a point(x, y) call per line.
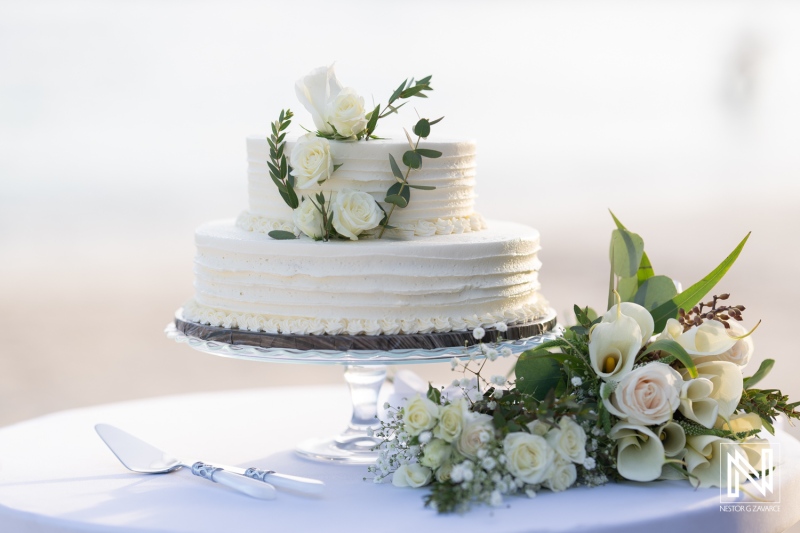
point(355, 445)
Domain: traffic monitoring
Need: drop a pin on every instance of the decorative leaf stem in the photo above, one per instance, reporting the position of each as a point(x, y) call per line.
point(279, 169)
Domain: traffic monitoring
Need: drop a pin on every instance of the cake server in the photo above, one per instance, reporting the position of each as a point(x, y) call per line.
point(140, 456)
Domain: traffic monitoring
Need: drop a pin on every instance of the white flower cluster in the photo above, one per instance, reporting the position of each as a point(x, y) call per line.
point(645, 398)
point(451, 443)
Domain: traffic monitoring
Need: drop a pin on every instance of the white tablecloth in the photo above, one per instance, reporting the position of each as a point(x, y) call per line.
point(56, 475)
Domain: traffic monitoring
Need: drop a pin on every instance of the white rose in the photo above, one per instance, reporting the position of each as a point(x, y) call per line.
point(345, 112)
point(451, 418)
point(528, 457)
point(562, 475)
point(311, 161)
point(443, 473)
point(436, 453)
point(477, 431)
point(355, 212)
point(314, 91)
point(641, 315)
point(412, 475)
point(308, 219)
point(739, 353)
point(568, 440)
point(613, 346)
point(419, 415)
point(640, 453)
point(646, 396)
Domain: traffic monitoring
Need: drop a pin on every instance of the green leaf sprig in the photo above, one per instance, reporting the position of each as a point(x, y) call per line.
point(279, 169)
point(407, 89)
point(399, 194)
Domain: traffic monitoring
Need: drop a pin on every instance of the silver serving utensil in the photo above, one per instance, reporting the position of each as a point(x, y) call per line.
point(304, 485)
point(140, 456)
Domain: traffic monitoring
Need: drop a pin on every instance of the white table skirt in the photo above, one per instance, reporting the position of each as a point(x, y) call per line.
point(56, 475)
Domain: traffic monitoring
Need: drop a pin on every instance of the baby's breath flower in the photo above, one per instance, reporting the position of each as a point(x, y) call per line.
point(491, 354)
point(501, 327)
point(496, 499)
point(576, 381)
point(498, 380)
point(478, 333)
point(589, 463)
point(488, 463)
point(498, 393)
point(530, 493)
point(454, 363)
point(505, 351)
point(425, 437)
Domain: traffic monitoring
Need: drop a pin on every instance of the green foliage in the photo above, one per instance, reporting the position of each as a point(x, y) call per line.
point(537, 374)
point(768, 404)
point(761, 373)
point(279, 169)
point(282, 235)
point(655, 291)
point(674, 349)
point(691, 296)
point(626, 252)
point(407, 89)
point(434, 394)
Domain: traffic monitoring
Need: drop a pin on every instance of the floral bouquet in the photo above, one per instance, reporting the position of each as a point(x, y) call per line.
point(652, 389)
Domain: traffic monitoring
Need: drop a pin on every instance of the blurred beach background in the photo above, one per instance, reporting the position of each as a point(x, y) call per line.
point(122, 128)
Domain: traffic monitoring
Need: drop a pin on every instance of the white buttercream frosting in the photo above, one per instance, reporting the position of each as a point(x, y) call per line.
point(439, 283)
point(365, 167)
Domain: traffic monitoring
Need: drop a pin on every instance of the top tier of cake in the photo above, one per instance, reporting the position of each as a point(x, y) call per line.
point(365, 167)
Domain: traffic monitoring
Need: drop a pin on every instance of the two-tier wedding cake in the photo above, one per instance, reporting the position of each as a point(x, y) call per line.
point(347, 233)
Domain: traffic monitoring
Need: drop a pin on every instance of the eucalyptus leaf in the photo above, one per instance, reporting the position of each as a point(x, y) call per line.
point(537, 375)
point(655, 291)
point(398, 189)
point(412, 159)
point(626, 252)
point(761, 373)
point(282, 235)
point(674, 349)
point(691, 296)
point(432, 122)
point(397, 200)
point(422, 128)
point(434, 394)
point(627, 287)
point(431, 154)
point(421, 187)
point(396, 169)
point(337, 166)
point(645, 267)
point(373, 119)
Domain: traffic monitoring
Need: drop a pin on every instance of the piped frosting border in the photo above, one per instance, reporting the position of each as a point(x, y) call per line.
point(202, 314)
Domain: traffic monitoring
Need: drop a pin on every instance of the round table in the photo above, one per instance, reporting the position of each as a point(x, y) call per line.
point(56, 475)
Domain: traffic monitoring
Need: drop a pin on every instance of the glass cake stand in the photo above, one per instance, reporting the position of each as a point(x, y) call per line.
point(364, 370)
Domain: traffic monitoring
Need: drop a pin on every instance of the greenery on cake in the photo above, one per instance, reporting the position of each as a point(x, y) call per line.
point(339, 114)
point(652, 389)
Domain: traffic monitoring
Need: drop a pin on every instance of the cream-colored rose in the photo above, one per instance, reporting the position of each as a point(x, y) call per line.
point(311, 161)
point(562, 475)
point(435, 454)
point(477, 431)
point(613, 347)
point(537, 427)
point(641, 315)
point(646, 396)
point(412, 475)
point(314, 91)
point(451, 417)
point(741, 351)
point(443, 473)
point(640, 453)
point(419, 414)
point(568, 440)
point(355, 212)
point(308, 219)
point(528, 457)
point(345, 112)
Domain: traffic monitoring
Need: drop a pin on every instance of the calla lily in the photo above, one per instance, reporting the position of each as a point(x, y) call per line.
point(741, 351)
point(728, 384)
point(754, 448)
point(673, 438)
point(708, 339)
point(640, 453)
point(672, 330)
point(740, 423)
point(706, 459)
point(641, 315)
point(696, 404)
point(613, 346)
point(314, 91)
